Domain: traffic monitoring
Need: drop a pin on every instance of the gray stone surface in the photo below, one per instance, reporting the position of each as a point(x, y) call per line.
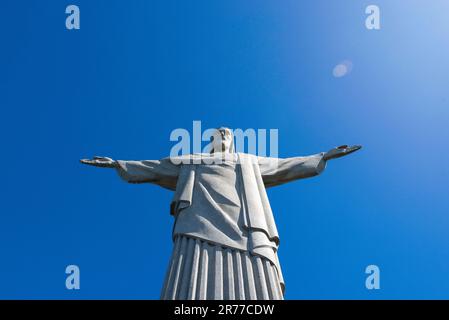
point(220, 198)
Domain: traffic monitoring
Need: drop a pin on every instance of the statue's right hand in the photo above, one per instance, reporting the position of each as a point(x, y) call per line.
point(103, 162)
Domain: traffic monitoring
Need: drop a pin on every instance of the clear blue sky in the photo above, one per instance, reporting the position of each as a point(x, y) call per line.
point(139, 69)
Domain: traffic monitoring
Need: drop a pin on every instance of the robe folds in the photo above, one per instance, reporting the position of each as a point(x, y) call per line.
point(222, 199)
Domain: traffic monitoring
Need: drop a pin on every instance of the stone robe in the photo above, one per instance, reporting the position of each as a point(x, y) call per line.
point(224, 202)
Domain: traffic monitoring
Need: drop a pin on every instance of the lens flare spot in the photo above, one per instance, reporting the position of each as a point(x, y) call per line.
point(342, 69)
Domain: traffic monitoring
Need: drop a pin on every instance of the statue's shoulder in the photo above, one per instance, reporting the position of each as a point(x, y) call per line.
point(246, 155)
point(198, 158)
point(191, 158)
point(247, 158)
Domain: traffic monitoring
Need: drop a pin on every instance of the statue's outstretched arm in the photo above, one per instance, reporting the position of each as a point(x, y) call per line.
point(276, 171)
point(161, 172)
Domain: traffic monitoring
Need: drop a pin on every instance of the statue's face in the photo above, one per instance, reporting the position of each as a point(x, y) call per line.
point(222, 140)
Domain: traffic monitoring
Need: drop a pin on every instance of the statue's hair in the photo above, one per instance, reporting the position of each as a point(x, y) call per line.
point(231, 147)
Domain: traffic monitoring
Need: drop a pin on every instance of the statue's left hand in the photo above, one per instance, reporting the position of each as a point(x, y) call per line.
point(103, 162)
point(340, 151)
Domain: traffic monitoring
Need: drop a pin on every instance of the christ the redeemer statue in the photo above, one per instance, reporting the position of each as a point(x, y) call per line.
point(225, 237)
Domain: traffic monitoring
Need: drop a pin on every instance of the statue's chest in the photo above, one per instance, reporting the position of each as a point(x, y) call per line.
point(221, 181)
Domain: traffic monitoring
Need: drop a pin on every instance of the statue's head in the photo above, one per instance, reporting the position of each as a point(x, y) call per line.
point(222, 140)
